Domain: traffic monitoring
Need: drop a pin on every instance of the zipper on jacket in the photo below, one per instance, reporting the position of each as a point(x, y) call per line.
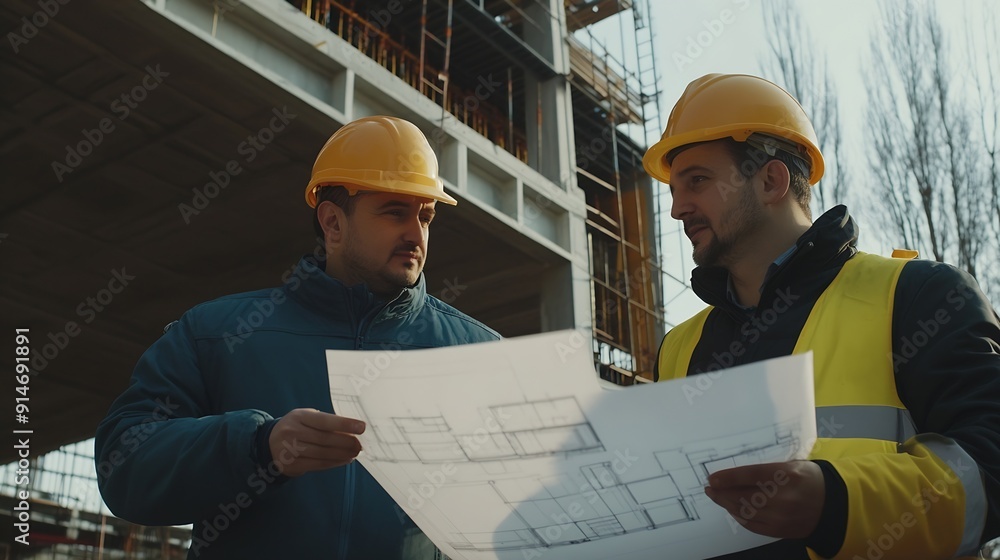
point(350, 476)
point(368, 320)
point(345, 521)
point(359, 335)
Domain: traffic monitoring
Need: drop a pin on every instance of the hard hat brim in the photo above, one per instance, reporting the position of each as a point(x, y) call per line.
point(412, 184)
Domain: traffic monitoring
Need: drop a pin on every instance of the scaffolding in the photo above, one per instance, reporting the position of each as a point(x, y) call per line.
point(69, 519)
point(611, 98)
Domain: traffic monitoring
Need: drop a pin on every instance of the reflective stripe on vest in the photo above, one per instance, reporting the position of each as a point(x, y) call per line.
point(967, 471)
point(870, 422)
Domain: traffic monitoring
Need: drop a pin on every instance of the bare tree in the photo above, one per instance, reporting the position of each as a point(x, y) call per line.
point(793, 64)
point(986, 80)
point(931, 163)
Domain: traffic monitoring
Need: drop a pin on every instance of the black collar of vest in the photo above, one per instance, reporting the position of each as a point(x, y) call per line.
point(830, 242)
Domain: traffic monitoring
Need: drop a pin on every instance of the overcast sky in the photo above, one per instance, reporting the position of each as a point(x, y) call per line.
point(728, 36)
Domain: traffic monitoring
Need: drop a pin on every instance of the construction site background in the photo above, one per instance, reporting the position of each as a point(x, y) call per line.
point(615, 114)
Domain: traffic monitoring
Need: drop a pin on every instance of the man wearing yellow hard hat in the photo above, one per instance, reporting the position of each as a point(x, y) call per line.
point(228, 423)
point(906, 352)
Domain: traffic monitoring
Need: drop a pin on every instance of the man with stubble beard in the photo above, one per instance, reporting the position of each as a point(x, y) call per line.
point(906, 352)
point(235, 433)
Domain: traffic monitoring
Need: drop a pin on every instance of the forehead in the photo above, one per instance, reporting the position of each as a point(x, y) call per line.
point(378, 199)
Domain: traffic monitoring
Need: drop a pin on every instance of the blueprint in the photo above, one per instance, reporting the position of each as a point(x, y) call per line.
point(514, 450)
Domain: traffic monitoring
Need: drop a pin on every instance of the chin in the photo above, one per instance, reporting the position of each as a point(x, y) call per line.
point(404, 279)
point(704, 257)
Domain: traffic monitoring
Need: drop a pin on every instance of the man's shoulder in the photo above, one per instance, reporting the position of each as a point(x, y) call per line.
point(241, 299)
point(919, 275)
point(929, 285)
point(216, 314)
point(456, 318)
point(922, 270)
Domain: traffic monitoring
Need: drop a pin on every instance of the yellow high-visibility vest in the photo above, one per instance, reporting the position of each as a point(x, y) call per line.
point(860, 419)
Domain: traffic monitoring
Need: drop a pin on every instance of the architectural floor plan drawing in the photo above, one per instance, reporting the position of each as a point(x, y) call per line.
point(513, 450)
point(608, 504)
point(530, 429)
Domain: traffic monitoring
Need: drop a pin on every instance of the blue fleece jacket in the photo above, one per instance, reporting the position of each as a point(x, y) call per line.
point(178, 446)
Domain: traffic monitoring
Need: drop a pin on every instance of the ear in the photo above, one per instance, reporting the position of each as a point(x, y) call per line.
point(775, 182)
point(333, 221)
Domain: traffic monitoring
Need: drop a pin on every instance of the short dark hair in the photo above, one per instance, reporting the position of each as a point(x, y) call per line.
point(336, 194)
point(749, 160)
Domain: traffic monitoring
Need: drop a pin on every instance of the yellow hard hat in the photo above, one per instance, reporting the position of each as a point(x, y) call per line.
point(734, 106)
point(384, 154)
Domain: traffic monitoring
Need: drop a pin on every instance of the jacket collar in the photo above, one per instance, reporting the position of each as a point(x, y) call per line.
point(327, 295)
point(830, 241)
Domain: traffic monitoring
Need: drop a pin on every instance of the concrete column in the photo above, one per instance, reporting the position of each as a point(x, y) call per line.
point(548, 110)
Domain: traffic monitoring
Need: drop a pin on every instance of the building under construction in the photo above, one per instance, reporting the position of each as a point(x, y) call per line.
point(120, 120)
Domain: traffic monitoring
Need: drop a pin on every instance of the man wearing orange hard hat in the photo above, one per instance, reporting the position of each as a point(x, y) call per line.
point(906, 352)
point(233, 430)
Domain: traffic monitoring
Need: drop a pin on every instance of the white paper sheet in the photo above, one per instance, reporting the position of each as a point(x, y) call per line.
point(513, 450)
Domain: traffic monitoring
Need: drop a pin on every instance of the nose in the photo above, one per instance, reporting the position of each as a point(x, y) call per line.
point(416, 232)
point(679, 207)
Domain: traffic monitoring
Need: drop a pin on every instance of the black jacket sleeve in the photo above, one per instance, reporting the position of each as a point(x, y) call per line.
point(946, 359)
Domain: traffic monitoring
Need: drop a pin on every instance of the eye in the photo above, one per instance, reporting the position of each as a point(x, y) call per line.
point(696, 182)
point(426, 219)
